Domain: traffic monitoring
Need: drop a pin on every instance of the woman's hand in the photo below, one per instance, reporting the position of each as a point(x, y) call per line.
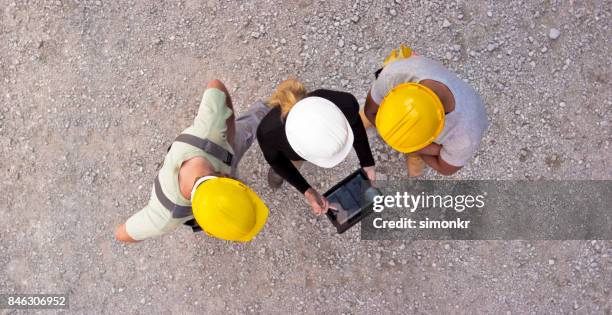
point(369, 170)
point(318, 203)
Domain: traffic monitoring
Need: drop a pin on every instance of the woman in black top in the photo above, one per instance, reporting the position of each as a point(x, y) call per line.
point(284, 150)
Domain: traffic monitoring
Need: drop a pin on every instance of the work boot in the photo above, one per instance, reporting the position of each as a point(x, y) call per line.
point(274, 180)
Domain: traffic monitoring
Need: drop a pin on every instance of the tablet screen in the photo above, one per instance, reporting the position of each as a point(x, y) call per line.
point(350, 198)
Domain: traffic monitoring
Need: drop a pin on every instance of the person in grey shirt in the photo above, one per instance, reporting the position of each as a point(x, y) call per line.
point(465, 119)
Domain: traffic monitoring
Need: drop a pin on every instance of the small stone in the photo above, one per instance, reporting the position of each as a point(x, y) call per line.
point(446, 246)
point(341, 43)
point(446, 23)
point(551, 262)
point(491, 47)
point(489, 13)
point(393, 12)
point(255, 35)
point(544, 49)
point(554, 33)
point(355, 19)
point(142, 301)
point(562, 104)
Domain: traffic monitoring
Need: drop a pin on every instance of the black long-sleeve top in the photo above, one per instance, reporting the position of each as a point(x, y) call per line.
point(279, 154)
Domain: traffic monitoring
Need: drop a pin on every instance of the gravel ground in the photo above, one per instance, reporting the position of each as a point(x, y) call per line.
point(94, 91)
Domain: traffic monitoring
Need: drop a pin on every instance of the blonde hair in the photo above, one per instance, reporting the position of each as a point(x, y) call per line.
point(286, 95)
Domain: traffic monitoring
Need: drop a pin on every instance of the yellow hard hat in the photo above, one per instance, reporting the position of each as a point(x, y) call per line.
point(228, 209)
point(402, 52)
point(410, 117)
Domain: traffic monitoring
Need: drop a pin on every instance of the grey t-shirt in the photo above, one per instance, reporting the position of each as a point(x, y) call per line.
point(464, 127)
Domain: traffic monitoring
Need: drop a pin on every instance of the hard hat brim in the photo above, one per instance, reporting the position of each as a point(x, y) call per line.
point(261, 216)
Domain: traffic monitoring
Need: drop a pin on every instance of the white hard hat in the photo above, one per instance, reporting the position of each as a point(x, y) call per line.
point(318, 132)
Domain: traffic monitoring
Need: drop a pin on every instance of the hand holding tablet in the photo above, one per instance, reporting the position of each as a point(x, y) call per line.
point(350, 200)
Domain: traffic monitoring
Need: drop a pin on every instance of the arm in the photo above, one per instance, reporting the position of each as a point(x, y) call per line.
point(371, 108)
point(431, 156)
point(122, 235)
point(437, 163)
point(361, 143)
point(149, 222)
point(230, 121)
point(283, 167)
point(433, 149)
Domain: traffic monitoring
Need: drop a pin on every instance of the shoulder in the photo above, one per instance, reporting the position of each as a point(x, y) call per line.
point(271, 123)
point(407, 70)
point(347, 102)
point(325, 93)
point(409, 63)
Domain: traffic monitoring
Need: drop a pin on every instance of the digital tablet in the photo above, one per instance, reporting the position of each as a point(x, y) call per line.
point(350, 200)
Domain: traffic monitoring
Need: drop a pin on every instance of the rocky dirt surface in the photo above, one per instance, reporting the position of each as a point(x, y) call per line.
point(92, 93)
